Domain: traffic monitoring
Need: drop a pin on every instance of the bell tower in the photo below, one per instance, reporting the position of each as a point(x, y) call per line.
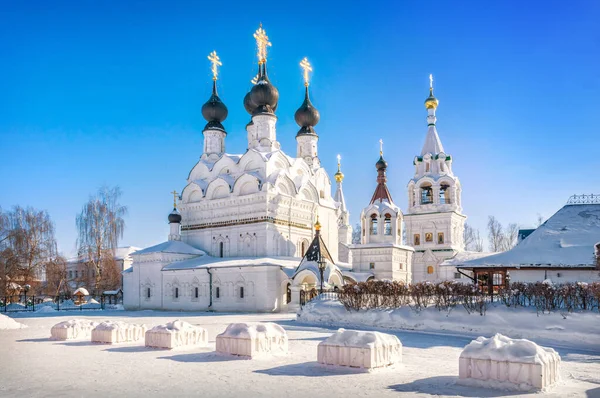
point(434, 220)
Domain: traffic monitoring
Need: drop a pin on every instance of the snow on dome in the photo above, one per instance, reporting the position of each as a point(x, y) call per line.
point(249, 340)
point(7, 323)
point(504, 363)
point(176, 334)
point(360, 349)
point(72, 329)
point(117, 332)
point(83, 291)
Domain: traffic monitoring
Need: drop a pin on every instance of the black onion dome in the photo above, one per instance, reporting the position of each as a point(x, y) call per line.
point(264, 95)
point(307, 116)
point(381, 164)
point(214, 110)
point(174, 217)
point(249, 105)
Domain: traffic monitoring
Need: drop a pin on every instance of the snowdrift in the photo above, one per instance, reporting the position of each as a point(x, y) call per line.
point(7, 323)
point(250, 340)
point(72, 329)
point(582, 329)
point(176, 334)
point(505, 363)
point(117, 332)
point(360, 349)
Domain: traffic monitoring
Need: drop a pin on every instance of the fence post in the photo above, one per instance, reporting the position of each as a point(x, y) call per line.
point(33, 304)
point(58, 304)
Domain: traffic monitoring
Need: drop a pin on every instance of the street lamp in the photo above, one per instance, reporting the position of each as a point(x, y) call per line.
point(26, 289)
point(321, 265)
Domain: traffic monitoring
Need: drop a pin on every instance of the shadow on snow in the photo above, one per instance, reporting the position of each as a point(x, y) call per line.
point(445, 385)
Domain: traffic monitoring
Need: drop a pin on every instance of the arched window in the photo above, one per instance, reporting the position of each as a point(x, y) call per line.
point(374, 224)
point(426, 194)
point(176, 292)
point(221, 249)
point(387, 225)
point(218, 292)
point(288, 294)
point(427, 167)
point(148, 293)
point(195, 292)
point(430, 269)
point(303, 248)
point(444, 194)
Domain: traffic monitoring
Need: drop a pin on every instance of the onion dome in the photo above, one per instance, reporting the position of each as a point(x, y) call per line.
point(263, 94)
point(248, 104)
point(214, 111)
point(381, 164)
point(307, 116)
point(174, 217)
point(431, 102)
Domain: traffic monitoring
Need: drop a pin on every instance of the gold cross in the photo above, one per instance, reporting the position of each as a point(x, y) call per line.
point(262, 42)
point(174, 199)
point(216, 62)
point(381, 147)
point(339, 159)
point(306, 67)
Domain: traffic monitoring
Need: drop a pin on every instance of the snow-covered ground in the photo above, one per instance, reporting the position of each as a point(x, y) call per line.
point(32, 365)
point(581, 328)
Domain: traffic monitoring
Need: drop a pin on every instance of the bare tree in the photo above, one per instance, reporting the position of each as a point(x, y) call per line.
point(356, 233)
point(56, 276)
point(100, 226)
point(495, 234)
point(472, 239)
point(27, 244)
point(511, 236)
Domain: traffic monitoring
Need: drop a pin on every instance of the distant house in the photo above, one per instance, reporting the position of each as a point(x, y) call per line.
point(79, 273)
point(566, 248)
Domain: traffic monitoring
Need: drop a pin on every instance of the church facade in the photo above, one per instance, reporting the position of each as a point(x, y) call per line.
point(256, 231)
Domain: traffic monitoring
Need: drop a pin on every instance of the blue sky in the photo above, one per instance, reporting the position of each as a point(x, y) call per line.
point(109, 92)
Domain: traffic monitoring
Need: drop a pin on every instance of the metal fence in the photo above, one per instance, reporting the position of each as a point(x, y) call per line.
point(306, 296)
point(22, 303)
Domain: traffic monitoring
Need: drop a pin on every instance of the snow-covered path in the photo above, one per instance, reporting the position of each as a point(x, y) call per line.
point(31, 365)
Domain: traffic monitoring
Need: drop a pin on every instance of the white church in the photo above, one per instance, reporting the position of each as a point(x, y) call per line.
point(255, 231)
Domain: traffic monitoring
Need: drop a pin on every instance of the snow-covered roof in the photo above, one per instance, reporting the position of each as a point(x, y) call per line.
point(120, 254)
point(171, 246)
point(112, 292)
point(566, 239)
point(461, 257)
point(358, 276)
point(82, 290)
point(218, 262)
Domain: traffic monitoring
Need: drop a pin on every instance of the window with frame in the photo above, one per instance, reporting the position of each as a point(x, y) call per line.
point(241, 291)
point(371, 265)
point(387, 225)
point(374, 224)
point(428, 237)
point(217, 292)
point(221, 249)
point(176, 292)
point(196, 292)
point(148, 293)
point(417, 239)
point(76, 274)
point(440, 240)
point(457, 275)
point(70, 274)
point(430, 269)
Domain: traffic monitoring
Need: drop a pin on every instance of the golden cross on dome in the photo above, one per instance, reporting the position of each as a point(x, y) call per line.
point(262, 42)
point(216, 62)
point(306, 67)
point(381, 147)
point(175, 194)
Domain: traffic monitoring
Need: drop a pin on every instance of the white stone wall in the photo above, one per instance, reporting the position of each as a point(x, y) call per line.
point(556, 276)
point(389, 262)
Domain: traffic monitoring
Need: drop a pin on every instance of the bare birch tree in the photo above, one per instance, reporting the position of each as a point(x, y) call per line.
point(356, 233)
point(472, 238)
point(27, 244)
point(540, 220)
point(56, 276)
point(495, 234)
point(510, 237)
point(100, 226)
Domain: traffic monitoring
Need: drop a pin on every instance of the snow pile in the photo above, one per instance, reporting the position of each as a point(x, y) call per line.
point(7, 323)
point(505, 363)
point(360, 349)
point(117, 332)
point(582, 329)
point(92, 304)
point(45, 308)
point(114, 307)
point(252, 339)
point(72, 329)
point(176, 334)
point(68, 304)
point(15, 307)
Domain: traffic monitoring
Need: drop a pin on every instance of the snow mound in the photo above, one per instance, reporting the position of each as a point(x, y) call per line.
point(67, 304)
point(360, 349)
point(15, 307)
point(117, 332)
point(252, 331)
point(176, 334)
point(45, 308)
point(253, 339)
point(7, 323)
point(504, 363)
point(72, 329)
point(502, 348)
point(355, 338)
point(114, 307)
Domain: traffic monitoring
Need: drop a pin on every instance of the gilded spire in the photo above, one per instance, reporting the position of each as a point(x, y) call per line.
point(339, 176)
point(317, 224)
point(431, 102)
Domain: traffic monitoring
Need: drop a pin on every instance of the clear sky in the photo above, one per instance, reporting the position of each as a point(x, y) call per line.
point(109, 92)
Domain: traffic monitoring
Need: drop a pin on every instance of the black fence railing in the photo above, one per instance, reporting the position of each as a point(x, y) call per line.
point(23, 303)
point(306, 296)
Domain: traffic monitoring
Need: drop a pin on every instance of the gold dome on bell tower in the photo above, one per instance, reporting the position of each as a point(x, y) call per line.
point(339, 176)
point(431, 102)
